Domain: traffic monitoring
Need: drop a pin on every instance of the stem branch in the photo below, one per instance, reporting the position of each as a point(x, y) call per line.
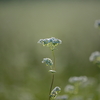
point(51, 85)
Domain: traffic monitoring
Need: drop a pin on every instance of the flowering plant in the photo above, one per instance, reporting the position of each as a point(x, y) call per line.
point(51, 43)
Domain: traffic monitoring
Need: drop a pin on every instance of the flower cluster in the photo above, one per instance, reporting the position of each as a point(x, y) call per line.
point(48, 62)
point(69, 89)
point(55, 92)
point(97, 24)
point(95, 57)
point(83, 91)
point(50, 42)
point(80, 79)
point(89, 83)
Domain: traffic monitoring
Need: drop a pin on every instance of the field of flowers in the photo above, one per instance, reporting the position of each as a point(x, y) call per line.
point(50, 50)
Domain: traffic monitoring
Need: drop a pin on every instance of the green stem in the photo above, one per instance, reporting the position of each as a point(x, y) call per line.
point(51, 85)
point(53, 60)
point(53, 74)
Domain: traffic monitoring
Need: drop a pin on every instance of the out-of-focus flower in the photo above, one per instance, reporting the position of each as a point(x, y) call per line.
point(62, 97)
point(95, 57)
point(57, 89)
point(48, 62)
point(50, 42)
point(91, 82)
point(69, 89)
point(55, 92)
point(80, 79)
point(97, 24)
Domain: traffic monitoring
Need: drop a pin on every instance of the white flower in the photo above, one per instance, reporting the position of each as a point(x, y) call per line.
point(48, 62)
point(69, 89)
point(78, 79)
point(50, 42)
point(55, 92)
point(94, 55)
point(57, 89)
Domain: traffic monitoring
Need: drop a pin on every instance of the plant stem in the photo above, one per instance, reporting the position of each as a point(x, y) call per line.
point(53, 59)
point(51, 85)
point(52, 74)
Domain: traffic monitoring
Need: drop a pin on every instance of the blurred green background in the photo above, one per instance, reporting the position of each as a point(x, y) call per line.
point(22, 24)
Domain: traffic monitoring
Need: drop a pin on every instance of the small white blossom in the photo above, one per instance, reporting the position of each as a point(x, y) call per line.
point(78, 79)
point(94, 55)
point(55, 92)
point(48, 62)
point(58, 89)
point(50, 42)
point(69, 89)
point(89, 83)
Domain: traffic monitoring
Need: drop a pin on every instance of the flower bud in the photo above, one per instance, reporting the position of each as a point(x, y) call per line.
point(48, 62)
point(55, 92)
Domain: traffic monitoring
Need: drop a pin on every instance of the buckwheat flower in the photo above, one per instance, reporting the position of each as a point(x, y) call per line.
point(50, 42)
point(55, 41)
point(55, 92)
point(97, 24)
point(90, 83)
point(94, 56)
point(48, 62)
point(78, 79)
point(83, 78)
point(69, 89)
point(44, 42)
point(57, 89)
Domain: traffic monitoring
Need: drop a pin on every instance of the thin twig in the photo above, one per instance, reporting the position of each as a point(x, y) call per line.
point(54, 59)
point(51, 85)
